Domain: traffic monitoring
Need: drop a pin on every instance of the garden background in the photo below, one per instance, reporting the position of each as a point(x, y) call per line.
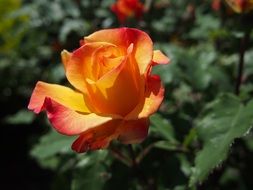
point(200, 138)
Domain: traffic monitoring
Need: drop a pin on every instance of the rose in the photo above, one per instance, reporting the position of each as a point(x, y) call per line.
point(216, 4)
point(127, 8)
point(240, 6)
point(115, 91)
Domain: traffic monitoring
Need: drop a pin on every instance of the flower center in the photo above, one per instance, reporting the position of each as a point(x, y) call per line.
point(105, 59)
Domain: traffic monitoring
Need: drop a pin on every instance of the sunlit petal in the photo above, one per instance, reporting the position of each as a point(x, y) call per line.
point(61, 94)
point(123, 37)
point(70, 122)
point(160, 58)
point(151, 101)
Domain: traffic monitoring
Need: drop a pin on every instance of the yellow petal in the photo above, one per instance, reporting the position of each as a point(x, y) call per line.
point(151, 100)
point(69, 122)
point(78, 65)
point(122, 38)
point(61, 94)
point(119, 90)
point(65, 56)
point(160, 58)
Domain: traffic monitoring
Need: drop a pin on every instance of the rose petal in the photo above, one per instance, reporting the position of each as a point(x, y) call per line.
point(121, 16)
point(65, 56)
point(63, 95)
point(69, 122)
point(100, 137)
point(123, 37)
point(97, 138)
point(160, 58)
point(118, 91)
point(134, 131)
point(111, 76)
point(78, 65)
point(127, 8)
point(151, 101)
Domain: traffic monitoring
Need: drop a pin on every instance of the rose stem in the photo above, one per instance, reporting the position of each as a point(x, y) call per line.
point(119, 156)
point(243, 46)
point(136, 169)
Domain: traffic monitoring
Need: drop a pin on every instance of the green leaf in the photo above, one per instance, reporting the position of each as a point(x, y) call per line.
point(163, 128)
point(180, 187)
point(89, 177)
point(52, 144)
point(73, 25)
point(205, 25)
point(21, 117)
point(165, 145)
point(222, 121)
point(182, 94)
point(91, 171)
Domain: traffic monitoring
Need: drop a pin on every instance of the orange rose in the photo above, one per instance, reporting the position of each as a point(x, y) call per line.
point(216, 4)
point(240, 6)
point(114, 94)
point(127, 8)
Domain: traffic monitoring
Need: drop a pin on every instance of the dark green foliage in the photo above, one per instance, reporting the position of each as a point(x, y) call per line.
point(221, 122)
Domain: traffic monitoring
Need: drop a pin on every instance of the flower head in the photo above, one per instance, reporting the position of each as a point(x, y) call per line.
point(114, 92)
point(216, 5)
point(127, 8)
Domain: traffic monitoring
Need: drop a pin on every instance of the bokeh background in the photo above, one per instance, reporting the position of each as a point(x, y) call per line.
point(203, 43)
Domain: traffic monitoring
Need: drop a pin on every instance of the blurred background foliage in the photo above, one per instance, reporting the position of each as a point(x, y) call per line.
point(201, 138)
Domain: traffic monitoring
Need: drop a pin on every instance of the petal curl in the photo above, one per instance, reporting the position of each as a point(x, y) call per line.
point(127, 132)
point(97, 138)
point(134, 131)
point(123, 37)
point(78, 65)
point(108, 80)
point(69, 122)
point(160, 58)
point(65, 56)
point(61, 94)
point(119, 90)
point(151, 101)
